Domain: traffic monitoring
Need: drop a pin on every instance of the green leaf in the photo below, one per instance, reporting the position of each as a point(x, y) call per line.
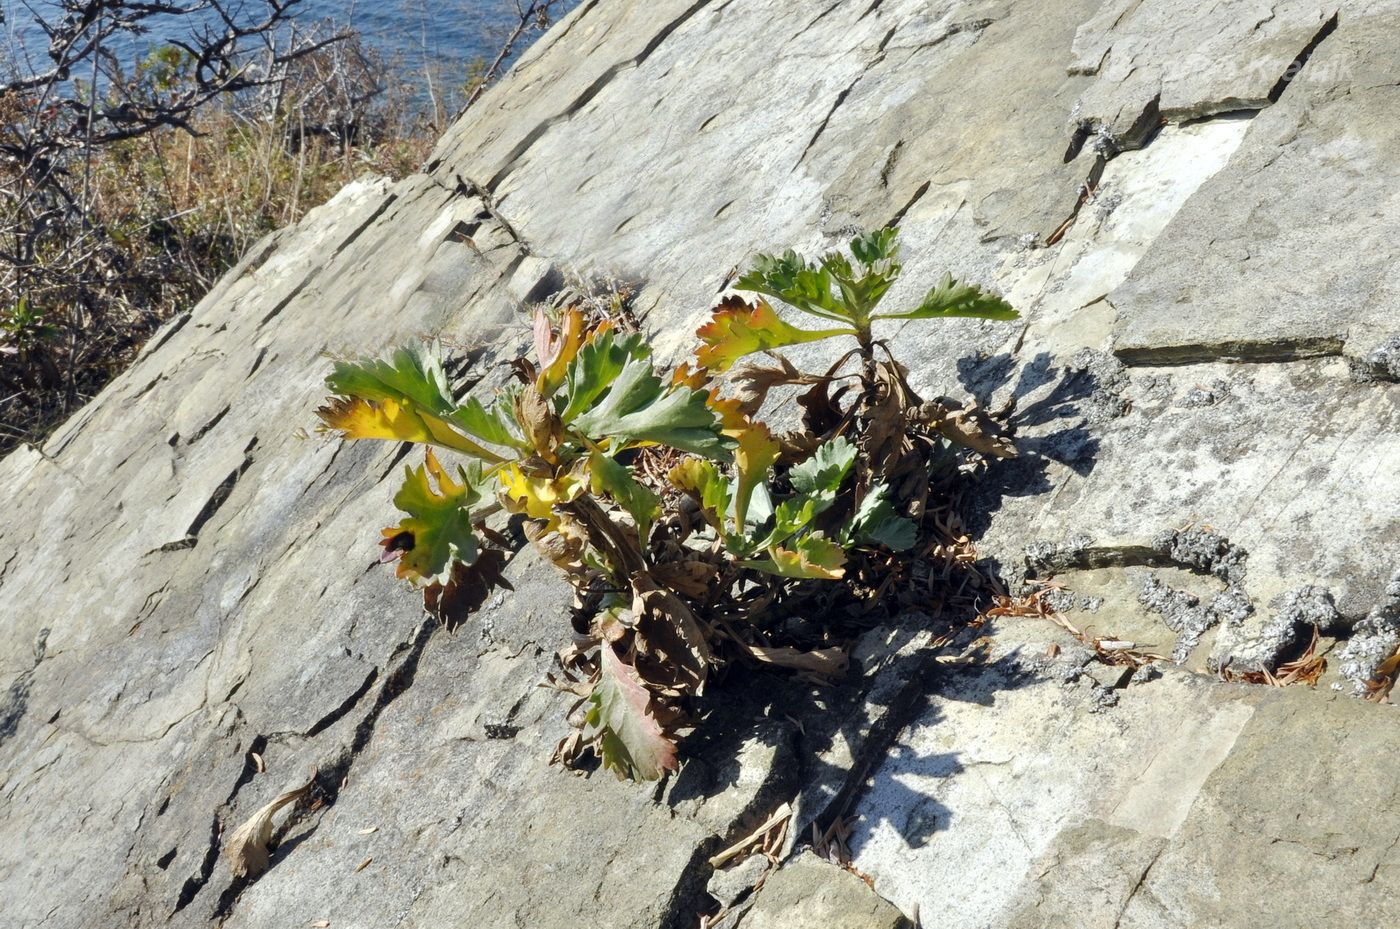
point(825, 471)
point(760, 508)
point(792, 516)
point(703, 479)
point(878, 522)
point(437, 529)
point(607, 476)
point(876, 247)
point(490, 425)
point(951, 299)
point(811, 557)
point(832, 288)
point(595, 367)
point(876, 253)
point(413, 375)
point(791, 279)
point(639, 408)
point(630, 740)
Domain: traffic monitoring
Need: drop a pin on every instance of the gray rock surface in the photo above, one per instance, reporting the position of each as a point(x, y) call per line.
point(810, 892)
point(186, 580)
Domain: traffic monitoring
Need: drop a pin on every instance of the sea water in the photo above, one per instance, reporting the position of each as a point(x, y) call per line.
point(410, 33)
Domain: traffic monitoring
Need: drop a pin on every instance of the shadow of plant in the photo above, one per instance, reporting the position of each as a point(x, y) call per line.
point(1054, 426)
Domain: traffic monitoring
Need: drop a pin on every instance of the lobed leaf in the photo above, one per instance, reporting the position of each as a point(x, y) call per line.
point(359, 418)
point(951, 299)
point(630, 740)
point(832, 288)
point(437, 530)
point(826, 470)
point(811, 556)
point(738, 328)
point(412, 376)
point(638, 408)
point(537, 497)
point(792, 516)
point(757, 452)
point(491, 425)
point(797, 283)
point(596, 366)
point(703, 481)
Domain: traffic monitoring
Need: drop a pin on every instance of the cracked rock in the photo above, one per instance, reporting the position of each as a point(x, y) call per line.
point(809, 893)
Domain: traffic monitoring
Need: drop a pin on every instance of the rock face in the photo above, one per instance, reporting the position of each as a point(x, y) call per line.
point(1196, 208)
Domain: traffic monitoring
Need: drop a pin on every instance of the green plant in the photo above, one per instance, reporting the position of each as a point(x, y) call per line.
point(692, 531)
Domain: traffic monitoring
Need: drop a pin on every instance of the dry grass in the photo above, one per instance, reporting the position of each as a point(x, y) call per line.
point(175, 210)
point(165, 216)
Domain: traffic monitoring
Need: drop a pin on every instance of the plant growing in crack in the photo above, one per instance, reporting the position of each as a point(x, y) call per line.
point(695, 534)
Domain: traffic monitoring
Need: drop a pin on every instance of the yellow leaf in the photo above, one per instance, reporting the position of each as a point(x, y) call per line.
point(755, 455)
point(357, 418)
point(536, 497)
point(738, 328)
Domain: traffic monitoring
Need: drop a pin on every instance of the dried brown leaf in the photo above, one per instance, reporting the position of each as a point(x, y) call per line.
point(670, 633)
point(246, 849)
point(967, 426)
point(828, 662)
point(752, 382)
point(1383, 683)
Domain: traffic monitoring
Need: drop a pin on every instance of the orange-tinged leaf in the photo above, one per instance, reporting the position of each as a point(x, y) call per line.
point(355, 418)
point(738, 328)
point(436, 530)
point(685, 375)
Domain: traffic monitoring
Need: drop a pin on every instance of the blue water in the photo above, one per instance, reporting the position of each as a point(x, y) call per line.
point(410, 33)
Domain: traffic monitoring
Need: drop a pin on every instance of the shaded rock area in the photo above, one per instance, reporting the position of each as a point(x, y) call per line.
point(1195, 207)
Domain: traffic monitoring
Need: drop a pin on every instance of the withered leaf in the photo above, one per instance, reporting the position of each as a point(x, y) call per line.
point(752, 382)
point(666, 624)
point(820, 412)
point(687, 577)
point(542, 427)
point(828, 662)
point(968, 427)
point(246, 848)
